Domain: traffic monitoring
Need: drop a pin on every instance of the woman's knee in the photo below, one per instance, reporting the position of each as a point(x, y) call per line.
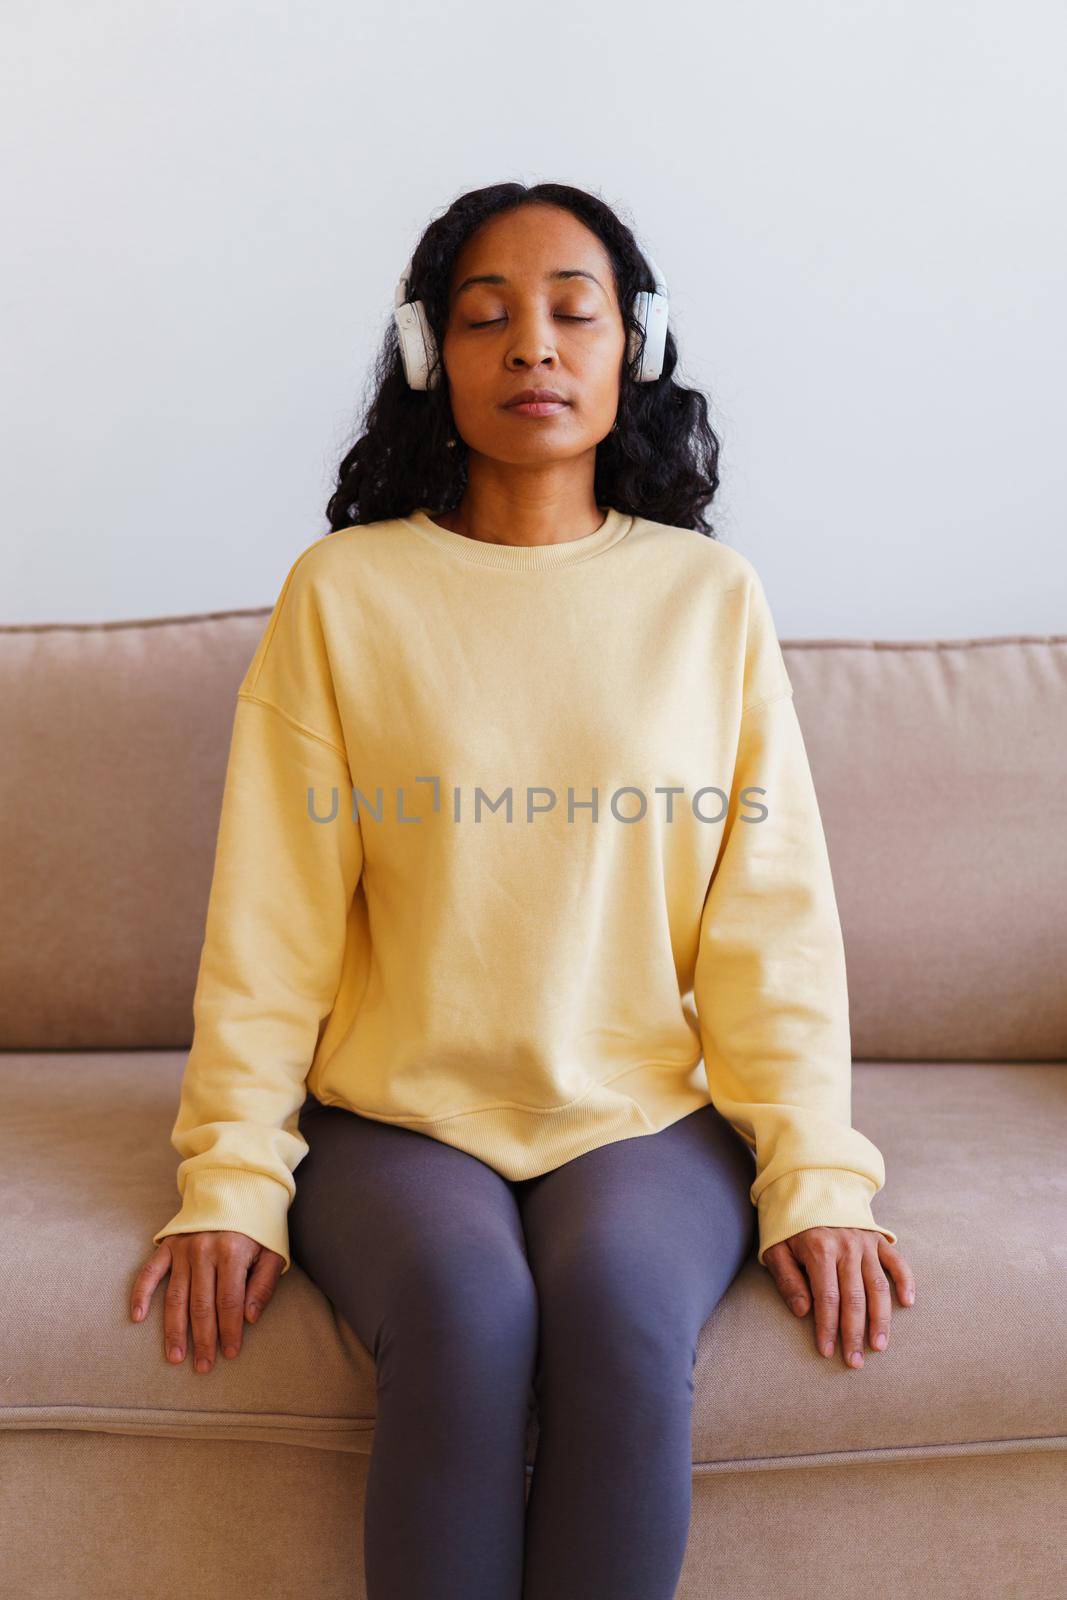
point(617, 1311)
point(457, 1316)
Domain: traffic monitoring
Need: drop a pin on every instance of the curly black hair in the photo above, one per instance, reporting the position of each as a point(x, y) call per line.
point(660, 462)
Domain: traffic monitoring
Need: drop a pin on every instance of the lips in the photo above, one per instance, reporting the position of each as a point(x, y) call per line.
point(536, 397)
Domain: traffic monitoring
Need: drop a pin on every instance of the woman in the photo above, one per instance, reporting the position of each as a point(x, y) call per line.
point(544, 1013)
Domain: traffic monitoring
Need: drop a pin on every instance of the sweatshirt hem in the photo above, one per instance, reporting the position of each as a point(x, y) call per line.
point(523, 1142)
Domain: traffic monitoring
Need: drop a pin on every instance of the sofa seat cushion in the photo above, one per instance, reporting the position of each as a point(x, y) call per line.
point(976, 1192)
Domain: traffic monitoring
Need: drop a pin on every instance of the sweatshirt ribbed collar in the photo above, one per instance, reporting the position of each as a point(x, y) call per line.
point(522, 557)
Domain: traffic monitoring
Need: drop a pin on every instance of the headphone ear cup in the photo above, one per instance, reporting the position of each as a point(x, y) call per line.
point(650, 309)
point(418, 347)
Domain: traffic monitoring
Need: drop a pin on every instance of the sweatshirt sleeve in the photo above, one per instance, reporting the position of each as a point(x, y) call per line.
point(770, 984)
point(274, 939)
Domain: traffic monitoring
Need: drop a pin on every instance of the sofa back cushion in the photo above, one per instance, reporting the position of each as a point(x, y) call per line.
point(115, 738)
point(941, 770)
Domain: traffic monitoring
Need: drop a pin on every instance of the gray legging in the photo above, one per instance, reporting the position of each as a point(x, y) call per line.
point(582, 1291)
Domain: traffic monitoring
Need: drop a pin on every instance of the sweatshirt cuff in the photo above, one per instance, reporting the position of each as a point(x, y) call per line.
point(234, 1199)
point(815, 1197)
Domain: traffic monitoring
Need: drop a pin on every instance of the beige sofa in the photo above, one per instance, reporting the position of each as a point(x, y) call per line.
point(939, 1469)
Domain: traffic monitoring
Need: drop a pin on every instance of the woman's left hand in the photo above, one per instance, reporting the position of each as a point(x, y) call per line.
point(844, 1267)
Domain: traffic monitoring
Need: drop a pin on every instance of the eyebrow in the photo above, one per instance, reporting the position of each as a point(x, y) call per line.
point(561, 273)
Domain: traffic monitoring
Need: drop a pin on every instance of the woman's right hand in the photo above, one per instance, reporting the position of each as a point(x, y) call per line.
point(217, 1279)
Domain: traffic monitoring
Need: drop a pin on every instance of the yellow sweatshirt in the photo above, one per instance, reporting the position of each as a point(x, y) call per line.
point(519, 848)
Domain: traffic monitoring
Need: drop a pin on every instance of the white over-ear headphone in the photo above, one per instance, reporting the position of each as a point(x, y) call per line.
point(418, 348)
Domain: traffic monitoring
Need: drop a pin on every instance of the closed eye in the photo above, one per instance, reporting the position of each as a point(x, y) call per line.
point(495, 320)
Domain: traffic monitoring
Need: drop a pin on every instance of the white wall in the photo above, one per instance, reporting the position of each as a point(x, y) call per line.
point(858, 208)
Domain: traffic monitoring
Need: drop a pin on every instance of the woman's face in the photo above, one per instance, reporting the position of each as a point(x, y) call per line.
point(532, 328)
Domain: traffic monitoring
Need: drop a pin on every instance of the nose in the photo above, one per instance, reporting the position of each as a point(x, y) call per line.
point(519, 359)
point(531, 347)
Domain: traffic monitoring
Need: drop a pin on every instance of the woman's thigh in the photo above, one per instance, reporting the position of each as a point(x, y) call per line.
point(408, 1236)
point(645, 1232)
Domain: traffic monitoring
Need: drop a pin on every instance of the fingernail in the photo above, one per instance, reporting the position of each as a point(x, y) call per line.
point(909, 1298)
point(799, 1304)
point(855, 1359)
point(230, 1350)
point(138, 1313)
point(827, 1349)
point(202, 1363)
point(253, 1313)
point(879, 1341)
point(175, 1352)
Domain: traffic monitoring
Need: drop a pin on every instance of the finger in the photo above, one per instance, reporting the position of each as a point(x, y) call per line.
point(853, 1301)
point(202, 1313)
point(262, 1282)
point(176, 1306)
point(879, 1300)
point(147, 1280)
point(789, 1279)
point(821, 1264)
point(898, 1269)
point(232, 1270)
